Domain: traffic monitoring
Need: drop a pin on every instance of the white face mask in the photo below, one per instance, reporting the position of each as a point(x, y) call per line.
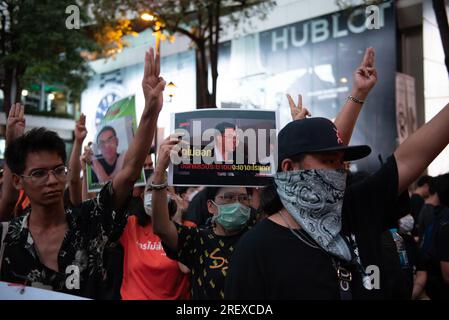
point(191, 195)
point(148, 203)
point(406, 223)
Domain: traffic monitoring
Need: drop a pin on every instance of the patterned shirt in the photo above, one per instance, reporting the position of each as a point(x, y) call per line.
point(91, 227)
point(207, 256)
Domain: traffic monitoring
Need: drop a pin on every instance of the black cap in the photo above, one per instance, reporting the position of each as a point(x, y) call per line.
point(314, 135)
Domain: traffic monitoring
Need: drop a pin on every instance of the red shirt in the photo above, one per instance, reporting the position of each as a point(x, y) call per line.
point(147, 272)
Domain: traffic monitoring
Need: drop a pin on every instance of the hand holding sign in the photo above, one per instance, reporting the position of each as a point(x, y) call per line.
point(169, 148)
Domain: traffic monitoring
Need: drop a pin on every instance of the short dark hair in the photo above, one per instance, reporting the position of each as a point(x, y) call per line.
point(181, 190)
point(211, 192)
point(270, 202)
point(104, 129)
point(222, 126)
point(35, 140)
point(423, 180)
point(298, 158)
point(440, 186)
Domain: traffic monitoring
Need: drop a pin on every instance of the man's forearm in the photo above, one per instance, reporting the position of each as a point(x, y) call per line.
point(421, 148)
point(138, 150)
point(124, 180)
point(75, 185)
point(9, 197)
point(162, 225)
point(347, 117)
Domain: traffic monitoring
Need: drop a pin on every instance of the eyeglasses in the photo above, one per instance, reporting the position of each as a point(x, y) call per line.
point(108, 141)
point(233, 197)
point(40, 176)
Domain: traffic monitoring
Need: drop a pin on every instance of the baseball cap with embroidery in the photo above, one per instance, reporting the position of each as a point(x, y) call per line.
point(315, 135)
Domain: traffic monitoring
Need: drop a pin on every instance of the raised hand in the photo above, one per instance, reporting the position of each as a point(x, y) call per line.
point(80, 129)
point(152, 83)
point(297, 111)
point(15, 125)
point(365, 76)
point(168, 148)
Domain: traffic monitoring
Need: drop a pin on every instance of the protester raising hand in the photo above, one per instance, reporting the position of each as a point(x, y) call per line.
point(297, 111)
point(363, 81)
point(152, 83)
point(75, 184)
point(15, 125)
point(80, 129)
point(365, 76)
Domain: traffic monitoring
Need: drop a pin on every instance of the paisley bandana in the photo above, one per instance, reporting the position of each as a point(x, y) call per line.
point(314, 198)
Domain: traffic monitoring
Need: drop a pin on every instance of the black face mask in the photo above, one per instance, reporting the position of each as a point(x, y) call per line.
point(148, 173)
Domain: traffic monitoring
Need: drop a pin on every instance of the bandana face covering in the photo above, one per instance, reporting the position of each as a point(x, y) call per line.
point(314, 198)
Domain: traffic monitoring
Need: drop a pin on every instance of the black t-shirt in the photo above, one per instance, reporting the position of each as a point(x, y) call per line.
point(108, 169)
point(398, 280)
point(416, 203)
point(206, 255)
point(425, 218)
point(436, 288)
point(271, 263)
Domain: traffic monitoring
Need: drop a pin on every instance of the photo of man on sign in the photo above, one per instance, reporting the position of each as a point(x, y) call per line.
point(225, 142)
point(224, 147)
point(109, 161)
point(110, 144)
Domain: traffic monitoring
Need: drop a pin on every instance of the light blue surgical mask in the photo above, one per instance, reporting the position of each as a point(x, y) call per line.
point(232, 216)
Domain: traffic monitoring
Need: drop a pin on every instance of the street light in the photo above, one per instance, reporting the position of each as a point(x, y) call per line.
point(51, 96)
point(147, 17)
point(171, 87)
point(151, 18)
point(24, 92)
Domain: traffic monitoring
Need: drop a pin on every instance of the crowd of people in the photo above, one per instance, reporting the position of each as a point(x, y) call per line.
point(318, 231)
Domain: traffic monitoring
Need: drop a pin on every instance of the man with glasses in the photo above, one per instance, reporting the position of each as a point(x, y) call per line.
point(60, 248)
point(109, 162)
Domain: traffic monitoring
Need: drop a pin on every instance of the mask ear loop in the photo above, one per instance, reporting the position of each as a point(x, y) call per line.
point(214, 217)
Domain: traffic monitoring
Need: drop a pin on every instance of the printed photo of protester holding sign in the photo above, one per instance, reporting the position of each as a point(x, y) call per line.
point(107, 153)
point(108, 161)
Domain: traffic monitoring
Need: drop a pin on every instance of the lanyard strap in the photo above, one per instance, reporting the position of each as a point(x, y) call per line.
point(344, 280)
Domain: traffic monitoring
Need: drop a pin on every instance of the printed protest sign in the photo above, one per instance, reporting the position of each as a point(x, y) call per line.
point(113, 136)
point(225, 147)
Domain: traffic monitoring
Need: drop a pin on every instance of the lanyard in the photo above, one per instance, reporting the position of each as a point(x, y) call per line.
point(344, 280)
